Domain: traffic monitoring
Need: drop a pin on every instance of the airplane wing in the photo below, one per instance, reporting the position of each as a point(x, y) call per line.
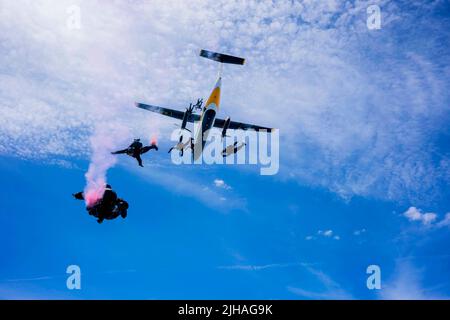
point(240, 125)
point(195, 117)
point(168, 112)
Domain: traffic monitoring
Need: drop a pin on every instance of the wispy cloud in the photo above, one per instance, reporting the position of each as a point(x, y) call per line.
point(331, 289)
point(406, 284)
point(180, 183)
point(363, 110)
point(32, 279)
point(58, 276)
point(262, 267)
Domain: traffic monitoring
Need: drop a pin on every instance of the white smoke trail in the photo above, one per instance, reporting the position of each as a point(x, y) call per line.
point(104, 140)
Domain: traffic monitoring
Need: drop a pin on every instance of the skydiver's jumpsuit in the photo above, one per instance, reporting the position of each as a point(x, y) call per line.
point(110, 207)
point(107, 204)
point(135, 150)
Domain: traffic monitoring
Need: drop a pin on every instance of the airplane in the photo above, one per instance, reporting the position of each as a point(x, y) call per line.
point(207, 118)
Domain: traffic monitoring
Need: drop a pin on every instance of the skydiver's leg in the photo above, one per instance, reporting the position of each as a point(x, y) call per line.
point(181, 152)
point(139, 160)
point(146, 149)
point(120, 151)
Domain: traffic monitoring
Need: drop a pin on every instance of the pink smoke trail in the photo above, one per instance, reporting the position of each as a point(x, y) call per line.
point(102, 143)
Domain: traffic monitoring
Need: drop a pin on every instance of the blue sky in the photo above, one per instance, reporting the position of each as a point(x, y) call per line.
point(364, 159)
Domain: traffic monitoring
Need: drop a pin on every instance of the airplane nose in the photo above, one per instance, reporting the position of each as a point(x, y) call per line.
point(218, 83)
point(215, 94)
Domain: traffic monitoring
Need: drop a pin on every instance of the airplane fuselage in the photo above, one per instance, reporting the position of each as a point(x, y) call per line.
point(207, 119)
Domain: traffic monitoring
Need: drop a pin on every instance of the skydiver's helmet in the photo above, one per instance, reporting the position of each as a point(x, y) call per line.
point(108, 186)
point(137, 140)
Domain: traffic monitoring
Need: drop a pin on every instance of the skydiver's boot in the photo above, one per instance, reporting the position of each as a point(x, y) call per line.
point(123, 214)
point(100, 220)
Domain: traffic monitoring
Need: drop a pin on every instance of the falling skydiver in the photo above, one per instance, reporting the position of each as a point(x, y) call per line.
point(136, 149)
point(108, 207)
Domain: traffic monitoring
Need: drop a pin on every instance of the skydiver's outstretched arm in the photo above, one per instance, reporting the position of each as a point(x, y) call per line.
point(139, 160)
point(78, 195)
point(170, 150)
point(120, 151)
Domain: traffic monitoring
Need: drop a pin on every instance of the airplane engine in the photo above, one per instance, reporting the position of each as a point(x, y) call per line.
point(226, 124)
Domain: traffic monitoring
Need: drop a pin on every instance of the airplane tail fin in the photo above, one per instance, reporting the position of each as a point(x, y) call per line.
point(222, 58)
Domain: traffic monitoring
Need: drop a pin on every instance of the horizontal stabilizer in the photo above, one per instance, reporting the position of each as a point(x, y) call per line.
point(220, 57)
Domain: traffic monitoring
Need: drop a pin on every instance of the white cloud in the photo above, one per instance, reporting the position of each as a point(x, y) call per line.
point(328, 233)
point(324, 234)
point(361, 113)
point(219, 183)
point(359, 232)
point(414, 214)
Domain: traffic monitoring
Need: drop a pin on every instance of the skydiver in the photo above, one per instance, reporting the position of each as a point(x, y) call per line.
point(136, 149)
point(198, 105)
point(109, 207)
point(232, 149)
point(180, 146)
